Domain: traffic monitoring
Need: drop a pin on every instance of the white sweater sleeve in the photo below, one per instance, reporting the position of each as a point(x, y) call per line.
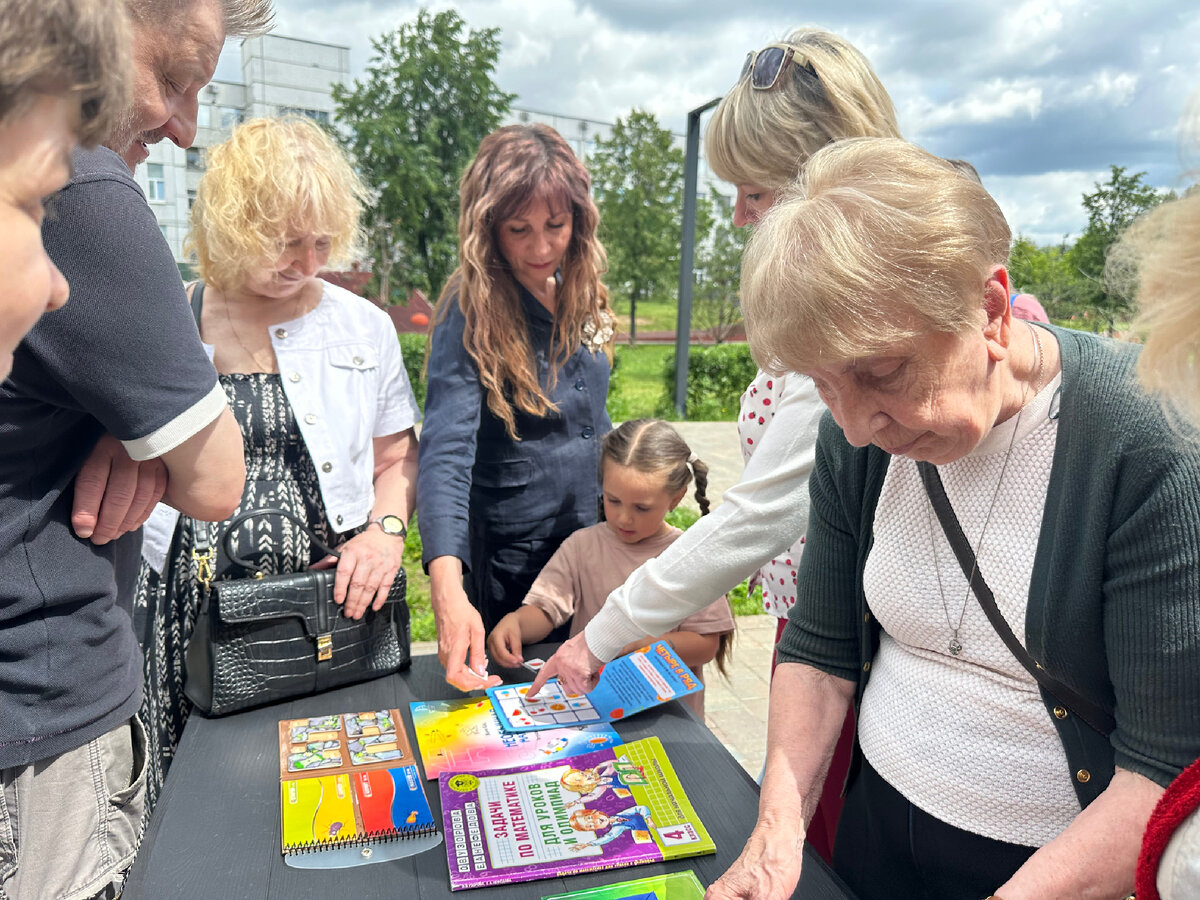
point(762, 515)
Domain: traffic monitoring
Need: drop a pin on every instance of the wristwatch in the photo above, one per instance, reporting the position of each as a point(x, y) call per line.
point(391, 524)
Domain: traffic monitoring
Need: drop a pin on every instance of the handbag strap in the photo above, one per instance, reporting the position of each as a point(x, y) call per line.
point(238, 520)
point(197, 300)
point(1090, 713)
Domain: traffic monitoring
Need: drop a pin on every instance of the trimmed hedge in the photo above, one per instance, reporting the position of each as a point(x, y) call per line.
point(412, 346)
point(717, 376)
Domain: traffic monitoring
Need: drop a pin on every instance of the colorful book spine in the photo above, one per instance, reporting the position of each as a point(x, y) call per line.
point(617, 807)
point(349, 786)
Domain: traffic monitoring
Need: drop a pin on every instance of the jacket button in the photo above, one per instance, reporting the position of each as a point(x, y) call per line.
point(587, 432)
point(1060, 712)
point(580, 385)
point(326, 467)
point(1083, 776)
point(310, 419)
point(358, 360)
point(339, 520)
point(294, 377)
point(281, 333)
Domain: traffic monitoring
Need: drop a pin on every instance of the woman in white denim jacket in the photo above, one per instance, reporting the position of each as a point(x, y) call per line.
point(316, 381)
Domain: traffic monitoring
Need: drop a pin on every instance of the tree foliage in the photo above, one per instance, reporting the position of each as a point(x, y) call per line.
point(637, 173)
point(413, 122)
point(716, 306)
point(1110, 209)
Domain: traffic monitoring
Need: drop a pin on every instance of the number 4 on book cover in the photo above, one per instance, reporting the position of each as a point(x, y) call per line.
point(616, 807)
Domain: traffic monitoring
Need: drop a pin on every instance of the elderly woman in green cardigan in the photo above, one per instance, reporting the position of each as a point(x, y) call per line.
point(976, 475)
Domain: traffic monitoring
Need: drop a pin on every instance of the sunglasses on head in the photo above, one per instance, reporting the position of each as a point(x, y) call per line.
point(766, 66)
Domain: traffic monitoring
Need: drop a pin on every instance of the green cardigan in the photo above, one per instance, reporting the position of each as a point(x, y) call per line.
point(1114, 598)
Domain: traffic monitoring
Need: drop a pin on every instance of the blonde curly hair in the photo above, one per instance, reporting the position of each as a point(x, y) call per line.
point(270, 180)
point(514, 166)
point(766, 137)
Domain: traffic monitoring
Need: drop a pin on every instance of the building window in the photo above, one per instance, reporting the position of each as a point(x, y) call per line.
point(231, 115)
point(191, 198)
point(204, 116)
point(163, 229)
point(319, 116)
point(156, 186)
point(195, 159)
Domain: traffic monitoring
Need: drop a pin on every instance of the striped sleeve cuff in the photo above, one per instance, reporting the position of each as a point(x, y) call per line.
point(181, 428)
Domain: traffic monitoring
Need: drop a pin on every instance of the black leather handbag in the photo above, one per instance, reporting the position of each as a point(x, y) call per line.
point(263, 639)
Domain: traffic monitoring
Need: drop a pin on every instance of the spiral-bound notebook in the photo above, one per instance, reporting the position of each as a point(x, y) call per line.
point(350, 792)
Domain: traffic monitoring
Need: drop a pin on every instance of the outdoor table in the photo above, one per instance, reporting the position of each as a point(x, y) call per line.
point(215, 830)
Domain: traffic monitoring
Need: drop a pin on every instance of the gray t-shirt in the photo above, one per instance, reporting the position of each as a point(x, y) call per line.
point(122, 356)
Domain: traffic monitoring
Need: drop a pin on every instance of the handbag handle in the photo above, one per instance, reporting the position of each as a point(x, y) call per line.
point(238, 520)
point(1090, 713)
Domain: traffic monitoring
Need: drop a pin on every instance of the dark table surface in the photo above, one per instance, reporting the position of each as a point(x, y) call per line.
point(215, 830)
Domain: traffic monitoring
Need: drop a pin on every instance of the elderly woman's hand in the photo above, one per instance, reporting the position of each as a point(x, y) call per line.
point(768, 868)
point(577, 668)
point(368, 565)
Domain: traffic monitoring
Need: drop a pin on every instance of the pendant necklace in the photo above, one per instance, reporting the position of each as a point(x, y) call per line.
point(954, 645)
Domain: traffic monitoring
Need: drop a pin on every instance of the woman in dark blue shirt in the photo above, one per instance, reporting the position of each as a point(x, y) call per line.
point(518, 376)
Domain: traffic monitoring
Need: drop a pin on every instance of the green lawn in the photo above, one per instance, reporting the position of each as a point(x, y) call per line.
point(652, 315)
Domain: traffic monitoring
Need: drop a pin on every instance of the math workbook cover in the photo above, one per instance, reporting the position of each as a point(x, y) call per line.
point(621, 806)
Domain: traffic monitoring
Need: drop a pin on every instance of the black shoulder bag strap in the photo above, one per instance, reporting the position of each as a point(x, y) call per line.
point(1090, 713)
point(197, 301)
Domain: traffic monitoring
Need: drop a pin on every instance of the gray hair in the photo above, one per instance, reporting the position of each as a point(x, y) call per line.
point(242, 18)
point(877, 242)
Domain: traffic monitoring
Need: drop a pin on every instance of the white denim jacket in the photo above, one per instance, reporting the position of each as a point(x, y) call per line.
point(344, 376)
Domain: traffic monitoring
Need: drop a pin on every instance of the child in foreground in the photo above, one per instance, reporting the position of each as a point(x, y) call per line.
point(645, 469)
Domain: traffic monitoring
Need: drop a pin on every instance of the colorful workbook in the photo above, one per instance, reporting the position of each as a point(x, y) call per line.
point(674, 886)
point(628, 685)
point(617, 807)
point(464, 734)
point(350, 791)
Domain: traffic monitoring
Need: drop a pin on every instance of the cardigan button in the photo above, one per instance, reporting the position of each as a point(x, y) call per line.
point(1083, 776)
point(580, 385)
point(866, 617)
point(587, 432)
point(866, 667)
point(1060, 712)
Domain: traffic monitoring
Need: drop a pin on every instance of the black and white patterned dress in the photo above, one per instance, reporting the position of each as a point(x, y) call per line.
point(279, 473)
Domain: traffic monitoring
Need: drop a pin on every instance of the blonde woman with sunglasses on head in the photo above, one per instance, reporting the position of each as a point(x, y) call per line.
point(791, 98)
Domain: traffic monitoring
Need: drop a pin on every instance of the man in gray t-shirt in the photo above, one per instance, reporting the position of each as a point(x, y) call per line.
point(122, 359)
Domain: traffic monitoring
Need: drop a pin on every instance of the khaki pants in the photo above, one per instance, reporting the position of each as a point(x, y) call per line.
point(69, 825)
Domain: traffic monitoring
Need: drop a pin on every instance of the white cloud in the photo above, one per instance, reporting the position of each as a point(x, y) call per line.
point(1044, 207)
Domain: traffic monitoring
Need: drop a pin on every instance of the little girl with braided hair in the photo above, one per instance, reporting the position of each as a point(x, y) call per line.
point(645, 470)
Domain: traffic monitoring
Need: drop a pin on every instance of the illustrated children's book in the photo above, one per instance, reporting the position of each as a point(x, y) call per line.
point(675, 886)
point(617, 807)
point(627, 685)
point(350, 791)
point(464, 734)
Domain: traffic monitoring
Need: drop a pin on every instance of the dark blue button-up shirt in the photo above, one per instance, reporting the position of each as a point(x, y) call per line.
point(482, 496)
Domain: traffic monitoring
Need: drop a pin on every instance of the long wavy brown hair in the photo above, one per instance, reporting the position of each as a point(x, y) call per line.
point(515, 166)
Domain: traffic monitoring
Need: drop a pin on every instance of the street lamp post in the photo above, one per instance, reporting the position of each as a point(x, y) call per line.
point(687, 248)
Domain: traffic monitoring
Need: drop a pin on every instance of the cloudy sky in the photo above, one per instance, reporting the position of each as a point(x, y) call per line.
point(1042, 96)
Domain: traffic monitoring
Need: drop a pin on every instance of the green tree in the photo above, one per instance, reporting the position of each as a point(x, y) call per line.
point(413, 122)
point(717, 294)
point(1110, 208)
point(1048, 274)
point(638, 177)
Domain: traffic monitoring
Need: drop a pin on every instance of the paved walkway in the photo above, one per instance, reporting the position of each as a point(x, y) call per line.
point(736, 707)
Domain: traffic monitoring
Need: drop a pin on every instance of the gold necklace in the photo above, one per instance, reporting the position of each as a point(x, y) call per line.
point(273, 367)
point(954, 645)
